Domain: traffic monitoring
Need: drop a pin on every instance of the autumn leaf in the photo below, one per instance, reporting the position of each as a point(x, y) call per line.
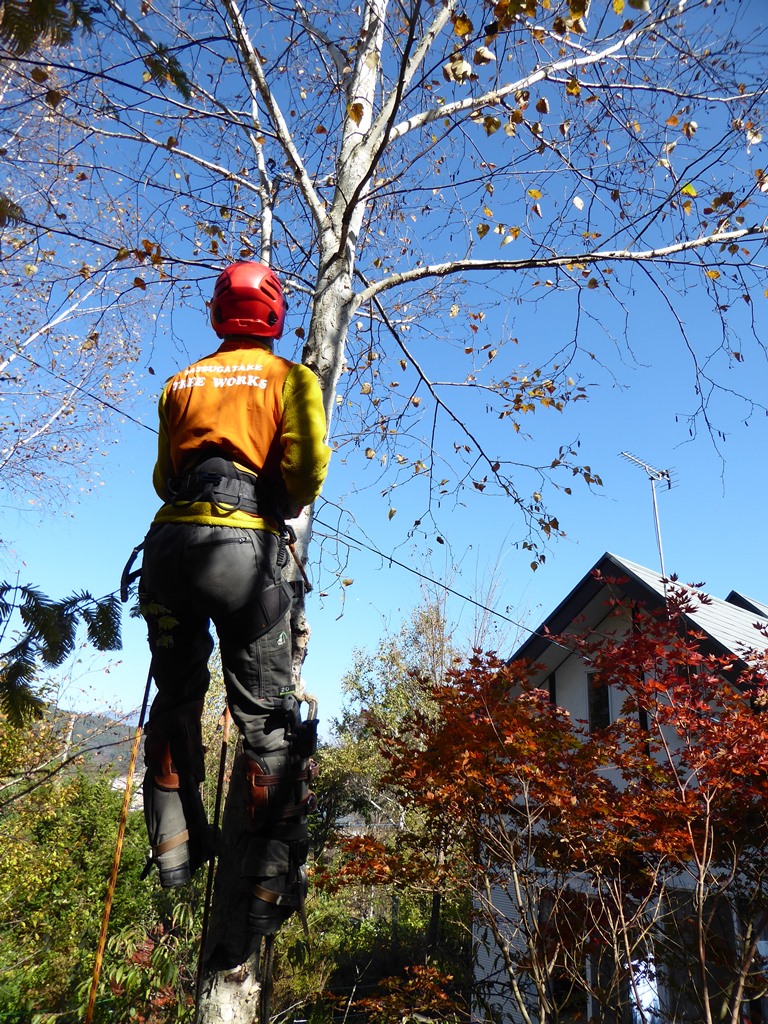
point(457, 69)
point(355, 111)
point(462, 25)
point(713, 275)
point(483, 56)
point(482, 230)
point(688, 190)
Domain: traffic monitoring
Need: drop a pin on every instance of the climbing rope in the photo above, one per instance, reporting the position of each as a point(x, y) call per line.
point(118, 853)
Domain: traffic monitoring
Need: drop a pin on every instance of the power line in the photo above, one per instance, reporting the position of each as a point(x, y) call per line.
point(409, 568)
point(89, 394)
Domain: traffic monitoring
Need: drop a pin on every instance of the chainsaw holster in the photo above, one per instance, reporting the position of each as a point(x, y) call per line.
point(179, 834)
point(278, 799)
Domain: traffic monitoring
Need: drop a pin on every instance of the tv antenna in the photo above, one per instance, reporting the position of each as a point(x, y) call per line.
point(655, 476)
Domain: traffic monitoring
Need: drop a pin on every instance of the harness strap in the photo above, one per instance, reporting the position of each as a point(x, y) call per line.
point(171, 844)
point(280, 899)
point(219, 482)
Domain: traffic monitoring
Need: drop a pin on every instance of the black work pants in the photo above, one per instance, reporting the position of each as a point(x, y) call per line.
point(191, 576)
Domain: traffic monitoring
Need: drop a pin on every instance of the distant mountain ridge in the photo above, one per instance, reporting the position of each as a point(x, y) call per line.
point(103, 742)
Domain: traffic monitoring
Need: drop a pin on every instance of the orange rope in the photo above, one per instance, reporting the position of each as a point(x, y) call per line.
point(116, 860)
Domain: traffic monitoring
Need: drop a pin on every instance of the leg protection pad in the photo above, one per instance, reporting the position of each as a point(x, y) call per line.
point(177, 827)
point(279, 797)
point(174, 745)
point(278, 789)
point(178, 830)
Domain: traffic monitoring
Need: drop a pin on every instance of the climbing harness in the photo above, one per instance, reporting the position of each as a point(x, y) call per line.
point(118, 853)
point(216, 480)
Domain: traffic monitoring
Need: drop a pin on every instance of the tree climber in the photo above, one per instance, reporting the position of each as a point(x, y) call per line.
point(241, 449)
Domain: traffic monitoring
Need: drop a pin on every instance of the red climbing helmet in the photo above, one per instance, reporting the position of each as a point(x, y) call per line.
point(248, 299)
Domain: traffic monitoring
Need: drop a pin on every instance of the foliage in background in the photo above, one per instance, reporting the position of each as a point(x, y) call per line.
point(633, 845)
point(44, 637)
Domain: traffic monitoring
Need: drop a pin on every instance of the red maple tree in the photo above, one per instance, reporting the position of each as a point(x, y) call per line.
point(609, 866)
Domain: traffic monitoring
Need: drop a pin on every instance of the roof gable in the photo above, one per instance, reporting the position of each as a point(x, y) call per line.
point(728, 625)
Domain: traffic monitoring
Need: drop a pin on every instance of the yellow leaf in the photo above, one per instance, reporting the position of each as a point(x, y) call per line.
point(573, 88)
point(534, 193)
point(618, 6)
point(347, 582)
point(355, 111)
point(688, 190)
point(462, 26)
point(713, 275)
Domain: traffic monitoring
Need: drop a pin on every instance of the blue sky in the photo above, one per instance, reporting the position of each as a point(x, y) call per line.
point(641, 395)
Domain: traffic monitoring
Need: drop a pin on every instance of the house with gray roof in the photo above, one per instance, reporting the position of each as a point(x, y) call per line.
point(602, 603)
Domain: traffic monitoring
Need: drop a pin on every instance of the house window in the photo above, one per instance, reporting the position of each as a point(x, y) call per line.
point(551, 685)
point(598, 702)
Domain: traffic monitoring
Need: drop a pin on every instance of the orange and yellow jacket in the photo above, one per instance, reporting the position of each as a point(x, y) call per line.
point(264, 412)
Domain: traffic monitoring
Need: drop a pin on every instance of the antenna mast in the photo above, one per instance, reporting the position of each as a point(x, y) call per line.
point(653, 475)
